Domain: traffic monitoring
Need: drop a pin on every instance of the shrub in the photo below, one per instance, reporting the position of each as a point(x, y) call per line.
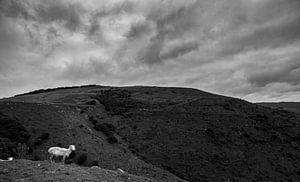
point(116, 101)
point(7, 148)
point(72, 155)
point(94, 163)
point(112, 139)
point(13, 130)
point(81, 159)
point(94, 121)
point(44, 136)
point(36, 158)
point(38, 142)
point(105, 128)
point(92, 102)
point(69, 161)
point(30, 150)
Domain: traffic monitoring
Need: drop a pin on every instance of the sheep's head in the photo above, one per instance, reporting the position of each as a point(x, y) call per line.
point(10, 158)
point(72, 147)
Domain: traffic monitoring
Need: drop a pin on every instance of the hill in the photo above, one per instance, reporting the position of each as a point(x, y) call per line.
point(289, 106)
point(160, 132)
point(28, 171)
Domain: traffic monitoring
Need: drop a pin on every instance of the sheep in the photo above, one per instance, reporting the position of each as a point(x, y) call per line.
point(8, 159)
point(58, 151)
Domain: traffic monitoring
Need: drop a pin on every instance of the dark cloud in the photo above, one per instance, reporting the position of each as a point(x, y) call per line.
point(94, 30)
point(169, 27)
point(150, 55)
point(271, 37)
point(138, 30)
point(14, 9)
point(278, 25)
point(69, 14)
point(285, 73)
point(176, 22)
point(125, 6)
point(155, 53)
point(179, 49)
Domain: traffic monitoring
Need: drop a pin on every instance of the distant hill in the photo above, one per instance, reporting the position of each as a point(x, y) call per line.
point(162, 133)
point(289, 106)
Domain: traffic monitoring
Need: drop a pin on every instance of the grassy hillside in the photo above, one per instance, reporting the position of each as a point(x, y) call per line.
point(65, 125)
point(148, 131)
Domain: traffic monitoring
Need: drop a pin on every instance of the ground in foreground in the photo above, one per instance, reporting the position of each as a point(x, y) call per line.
point(26, 170)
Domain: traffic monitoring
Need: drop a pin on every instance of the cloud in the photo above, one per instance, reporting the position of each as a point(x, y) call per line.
point(14, 9)
point(243, 48)
point(179, 48)
point(67, 13)
point(108, 10)
point(263, 24)
point(274, 35)
point(84, 70)
point(169, 26)
point(138, 30)
point(275, 73)
point(150, 54)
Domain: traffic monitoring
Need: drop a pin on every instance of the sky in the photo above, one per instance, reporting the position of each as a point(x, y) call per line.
point(248, 49)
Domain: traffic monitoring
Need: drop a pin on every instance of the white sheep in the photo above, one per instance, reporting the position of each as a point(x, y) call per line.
point(8, 159)
point(58, 151)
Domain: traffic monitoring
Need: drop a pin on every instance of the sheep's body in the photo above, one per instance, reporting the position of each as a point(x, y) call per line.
point(8, 159)
point(58, 151)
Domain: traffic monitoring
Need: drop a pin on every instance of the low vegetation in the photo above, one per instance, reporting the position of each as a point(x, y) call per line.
point(13, 138)
point(108, 130)
point(81, 159)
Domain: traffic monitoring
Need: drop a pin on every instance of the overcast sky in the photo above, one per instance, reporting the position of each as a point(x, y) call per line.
point(243, 48)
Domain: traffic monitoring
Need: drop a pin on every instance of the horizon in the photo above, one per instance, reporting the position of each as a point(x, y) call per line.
point(246, 49)
point(67, 87)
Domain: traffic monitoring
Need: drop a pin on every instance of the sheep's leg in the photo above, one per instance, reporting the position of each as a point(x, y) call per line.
point(51, 158)
point(64, 157)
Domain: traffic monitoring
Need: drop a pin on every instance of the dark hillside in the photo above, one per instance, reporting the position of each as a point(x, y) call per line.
point(207, 137)
point(61, 125)
point(193, 134)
